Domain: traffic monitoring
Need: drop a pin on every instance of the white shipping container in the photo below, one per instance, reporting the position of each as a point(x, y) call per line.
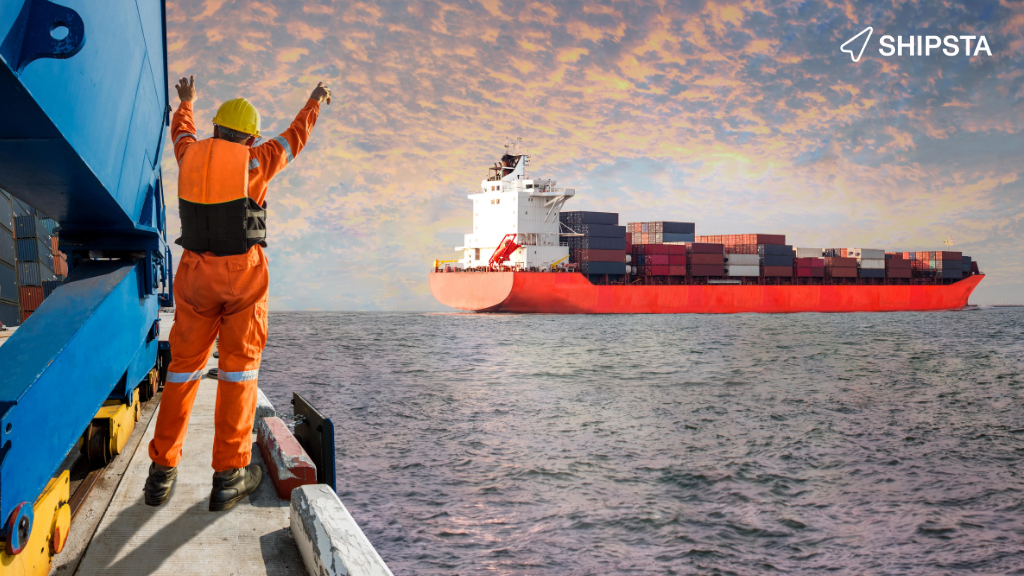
point(866, 253)
point(809, 252)
point(871, 263)
point(735, 270)
point(743, 259)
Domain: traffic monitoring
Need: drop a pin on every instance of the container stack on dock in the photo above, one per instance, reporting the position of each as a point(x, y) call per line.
point(9, 297)
point(35, 260)
point(597, 243)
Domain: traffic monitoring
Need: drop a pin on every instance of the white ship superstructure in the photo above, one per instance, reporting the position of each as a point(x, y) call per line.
point(510, 202)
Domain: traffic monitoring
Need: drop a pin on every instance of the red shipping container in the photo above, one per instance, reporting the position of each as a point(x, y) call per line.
point(842, 272)
point(676, 248)
point(25, 314)
point(706, 248)
point(841, 262)
point(31, 297)
point(60, 264)
point(656, 259)
point(677, 259)
point(53, 245)
point(656, 249)
point(659, 270)
point(777, 271)
point(898, 264)
point(707, 259)
point(677, 270)
point(707, 270)
point(899, 273)
point(644, 238)
point(949, 255)
point(810, 272)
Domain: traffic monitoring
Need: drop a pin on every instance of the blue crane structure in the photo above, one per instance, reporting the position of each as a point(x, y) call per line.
point(84, 105)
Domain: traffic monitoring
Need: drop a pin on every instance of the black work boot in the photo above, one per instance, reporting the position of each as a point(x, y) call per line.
point(158, 484)
point(231, 486)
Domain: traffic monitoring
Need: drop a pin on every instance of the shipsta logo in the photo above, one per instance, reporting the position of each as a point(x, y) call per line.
point(950, 45)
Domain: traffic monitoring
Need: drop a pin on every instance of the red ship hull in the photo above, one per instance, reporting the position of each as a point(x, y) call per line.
point(567, 293)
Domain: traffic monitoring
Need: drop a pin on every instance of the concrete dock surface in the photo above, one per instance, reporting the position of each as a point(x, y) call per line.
point(181, 537)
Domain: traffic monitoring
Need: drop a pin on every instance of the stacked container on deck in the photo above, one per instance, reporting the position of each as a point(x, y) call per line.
point(9, 298)
point(660, 248)
point(896, 266)
point(838, 265)
point(870, 261)
point(809, 263)
point(660, 232)
point(601, 248)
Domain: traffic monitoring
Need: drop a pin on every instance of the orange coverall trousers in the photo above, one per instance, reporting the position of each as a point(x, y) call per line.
point(225, 295)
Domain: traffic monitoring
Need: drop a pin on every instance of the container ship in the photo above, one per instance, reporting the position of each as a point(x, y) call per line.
point(526, 255)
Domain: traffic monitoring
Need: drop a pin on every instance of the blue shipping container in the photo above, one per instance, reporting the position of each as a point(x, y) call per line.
point(33, 249)
point(601, 230)
point(49, 286)
point(8, 251)
point(49, 224)
point(30, 227)
point(578, 217)
point(10, 316)
point(673, 237)
point(33, 274)
point(872, 273)
point(678, 228)
point(778, 260)
point(776, 249)
point(604, 267)
point(597, 243)
point(8, 284)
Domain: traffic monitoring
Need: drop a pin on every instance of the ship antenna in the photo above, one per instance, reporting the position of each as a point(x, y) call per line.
point(949, 241)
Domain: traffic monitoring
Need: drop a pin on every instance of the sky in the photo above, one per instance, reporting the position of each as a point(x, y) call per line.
point(743, 117)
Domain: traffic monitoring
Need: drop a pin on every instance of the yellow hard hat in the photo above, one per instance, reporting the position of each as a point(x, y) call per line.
point(239, 114)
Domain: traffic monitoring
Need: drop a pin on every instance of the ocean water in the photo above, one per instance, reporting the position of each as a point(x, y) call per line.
point(743, 444)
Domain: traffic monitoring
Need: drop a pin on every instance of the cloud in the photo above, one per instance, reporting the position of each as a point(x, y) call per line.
point(741, 116)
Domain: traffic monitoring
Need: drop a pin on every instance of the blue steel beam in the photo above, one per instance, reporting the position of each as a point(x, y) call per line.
point(92, 333)
point(83, 116)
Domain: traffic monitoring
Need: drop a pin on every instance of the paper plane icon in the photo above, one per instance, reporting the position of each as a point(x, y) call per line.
point(850, 45)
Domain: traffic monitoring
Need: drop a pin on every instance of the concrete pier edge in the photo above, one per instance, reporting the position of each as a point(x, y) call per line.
point(329, 539)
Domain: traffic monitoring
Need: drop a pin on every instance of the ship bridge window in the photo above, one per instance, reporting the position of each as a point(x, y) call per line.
point(476, 254)
point(529, 186)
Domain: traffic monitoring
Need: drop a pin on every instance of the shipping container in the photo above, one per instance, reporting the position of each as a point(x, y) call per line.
point(677, 260)
point(898, 273)
point(49, 286)
point(841, 272)
point(966, 264)
point(8, 283)
point(742, 270)
point(872, 273)
point(744, 239)
point(809, 262)
point(777, 260)
point(22, 209)
point(703, 259)
point(614, 268)
point(60, 264)
point(835, 261)
point(741, 249)
point(676, 270)
point(947, 255)
point(673, 237)
point(743, 260)
point(29, 227)
point(50, 225)
point(777, 271)
point(581, 255)
point(807, 272)
point(33, 249)
point(869, 253)
point(601, 230)
point(577, 218)
point(644, 227)
point(871, 263)
point(31, 297)
point(587, 243)
point(645, 237)
point(656, 259)
point(899, 263)
point(10, 315)
point(707, 270)
point(808, 252)
point(706, 248)
point(776, 250)
point(950, 273)
point(8, 249)
point(675, 227)
point(33, 274)
point(25, 314)
point(54, 245)
point(657, 270)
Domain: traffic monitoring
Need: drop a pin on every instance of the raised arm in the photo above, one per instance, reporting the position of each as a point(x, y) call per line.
point(275, 154)
point(183, 125)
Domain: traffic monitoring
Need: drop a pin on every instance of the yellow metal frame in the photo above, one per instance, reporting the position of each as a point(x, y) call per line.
point(52, 520)
point(122, 420)
point(439, 262)
point(560, 260)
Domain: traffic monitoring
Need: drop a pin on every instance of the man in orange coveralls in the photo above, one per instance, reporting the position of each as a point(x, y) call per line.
point(221, 285)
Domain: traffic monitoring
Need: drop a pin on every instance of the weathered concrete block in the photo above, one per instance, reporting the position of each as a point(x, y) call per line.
point(287, 463)
point(329, 540)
